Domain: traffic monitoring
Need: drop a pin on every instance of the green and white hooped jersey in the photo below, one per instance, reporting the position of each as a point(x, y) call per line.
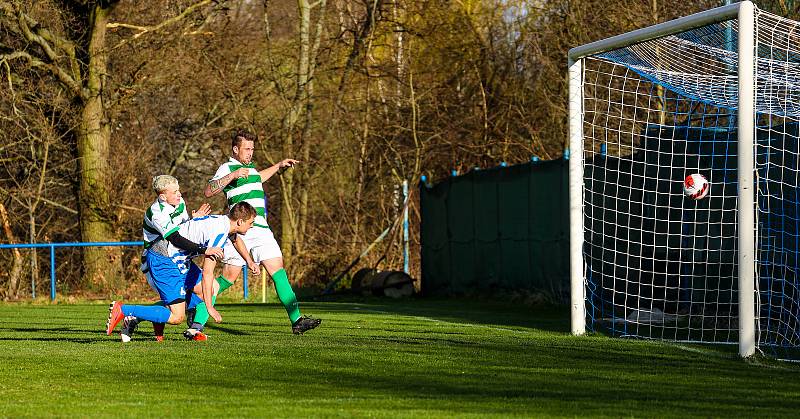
point(250, 190)
point(161, 220)
point(206, 231)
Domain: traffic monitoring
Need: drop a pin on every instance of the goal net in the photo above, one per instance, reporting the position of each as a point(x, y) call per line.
point(654, 262)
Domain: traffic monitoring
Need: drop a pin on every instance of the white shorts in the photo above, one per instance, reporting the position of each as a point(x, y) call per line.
point(259, 242)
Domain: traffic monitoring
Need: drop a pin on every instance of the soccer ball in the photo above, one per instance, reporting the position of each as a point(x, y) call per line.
point(696, 186)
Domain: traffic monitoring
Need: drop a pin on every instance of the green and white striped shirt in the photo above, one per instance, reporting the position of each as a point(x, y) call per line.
point(161, 220)
point(249, 189)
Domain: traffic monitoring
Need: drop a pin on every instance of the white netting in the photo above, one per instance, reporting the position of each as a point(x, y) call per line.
point(701, 64)
point(778, 187)
point(659, 264)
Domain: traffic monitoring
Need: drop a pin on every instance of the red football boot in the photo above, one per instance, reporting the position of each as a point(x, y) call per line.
point(114, 316)
point(158, 331)
point(192, 334)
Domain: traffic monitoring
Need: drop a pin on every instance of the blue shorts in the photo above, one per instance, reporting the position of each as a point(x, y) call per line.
point(166, 278)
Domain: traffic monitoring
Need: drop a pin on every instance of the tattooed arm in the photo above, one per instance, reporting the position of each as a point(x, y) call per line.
point(215, 185)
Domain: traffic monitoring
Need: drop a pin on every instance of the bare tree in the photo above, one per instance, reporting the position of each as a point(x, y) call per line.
point(65, 47)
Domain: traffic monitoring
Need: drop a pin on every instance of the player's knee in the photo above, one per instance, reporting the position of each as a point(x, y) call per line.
point(176, 318)
point(272, 265)
point(231, 272)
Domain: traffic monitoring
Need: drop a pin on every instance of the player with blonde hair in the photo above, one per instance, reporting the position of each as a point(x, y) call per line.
point(171, 241)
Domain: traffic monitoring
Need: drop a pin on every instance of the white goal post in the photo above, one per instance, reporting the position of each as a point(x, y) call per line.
point(712, 93)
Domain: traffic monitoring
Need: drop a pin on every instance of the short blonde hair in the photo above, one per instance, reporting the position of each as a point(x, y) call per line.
point(162, 182)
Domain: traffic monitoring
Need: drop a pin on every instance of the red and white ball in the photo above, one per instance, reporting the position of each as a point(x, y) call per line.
point(696, 186)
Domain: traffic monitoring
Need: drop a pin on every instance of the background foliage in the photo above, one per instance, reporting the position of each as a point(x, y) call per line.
point(367, 93)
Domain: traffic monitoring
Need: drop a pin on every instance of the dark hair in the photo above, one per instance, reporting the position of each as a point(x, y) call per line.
point(242, 211)
point(242, 135)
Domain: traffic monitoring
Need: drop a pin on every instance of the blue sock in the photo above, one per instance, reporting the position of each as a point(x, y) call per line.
point(155, 314)
point(193, 301)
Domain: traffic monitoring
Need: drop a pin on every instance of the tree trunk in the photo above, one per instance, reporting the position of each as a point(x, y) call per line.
point(661, 101)
point(287, 230)
point(360, 37)
point(103, 265)
point(302, 98)
point(305, 154)
point(305, 138)
point(362, 175)
point(34, 256)
point(288, 128)
point(16, 267)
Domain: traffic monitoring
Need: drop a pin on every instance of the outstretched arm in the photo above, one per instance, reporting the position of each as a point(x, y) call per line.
point(215, 185)
point(269, 171)
point(185, 244)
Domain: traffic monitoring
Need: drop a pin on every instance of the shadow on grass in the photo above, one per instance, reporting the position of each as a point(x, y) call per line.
point(592, 378)
point(52, 334)
point(56, 338)
point(227, 330)
point(487, 313)
point(49, 329)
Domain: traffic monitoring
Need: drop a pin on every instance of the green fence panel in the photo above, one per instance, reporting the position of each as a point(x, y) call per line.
point(461, 232)
point(513, 231)
point(486, 273)
point(549, 226)
point(505, 228)
point(433, 233)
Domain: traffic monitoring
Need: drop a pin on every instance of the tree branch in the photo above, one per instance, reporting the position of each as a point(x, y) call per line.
point(114, 25)
point(32, 37)
point(57, 71)
point(47, 41)
point(63, 44)
point(143, 30)
point(6, 7)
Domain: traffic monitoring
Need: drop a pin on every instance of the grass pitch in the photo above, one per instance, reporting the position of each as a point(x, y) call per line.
point(413, 358)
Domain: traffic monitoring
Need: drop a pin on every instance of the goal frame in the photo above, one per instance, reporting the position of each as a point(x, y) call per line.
point(744, 13)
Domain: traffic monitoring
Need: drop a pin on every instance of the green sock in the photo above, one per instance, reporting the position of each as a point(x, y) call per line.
point(201, 315)
point(286, 295)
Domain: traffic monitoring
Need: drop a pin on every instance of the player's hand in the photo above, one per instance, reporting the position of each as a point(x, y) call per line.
point(214, 313)
point(214, 252)
point(254, 268)
point(242, 173)
point(204, 210)
point(287, 163)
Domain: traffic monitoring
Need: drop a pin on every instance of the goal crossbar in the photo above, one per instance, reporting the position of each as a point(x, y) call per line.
point(683, 24)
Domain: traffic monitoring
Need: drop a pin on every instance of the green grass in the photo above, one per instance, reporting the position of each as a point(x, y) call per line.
point(414, 358)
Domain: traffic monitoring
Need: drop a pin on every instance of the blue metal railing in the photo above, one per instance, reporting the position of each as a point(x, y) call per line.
point(52, 247)
point(244, 280)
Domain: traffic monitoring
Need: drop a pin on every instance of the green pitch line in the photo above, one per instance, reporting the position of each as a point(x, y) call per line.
point(372, 358)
